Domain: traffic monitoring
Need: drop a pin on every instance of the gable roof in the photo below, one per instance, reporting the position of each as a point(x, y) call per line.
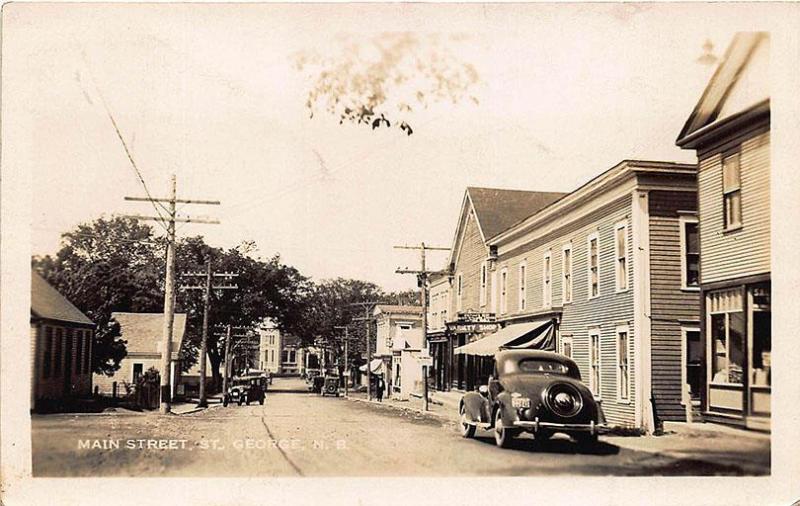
point(144, 331)
point(397, 309)
point(497, 209)
point(48, 304)
point(719, 88)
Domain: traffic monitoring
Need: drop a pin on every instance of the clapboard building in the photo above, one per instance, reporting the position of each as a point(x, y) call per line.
point(729, 129)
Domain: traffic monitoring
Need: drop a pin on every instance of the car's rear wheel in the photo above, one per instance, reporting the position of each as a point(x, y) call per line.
point(225, 401)
point(467, 429)
point(502, 435)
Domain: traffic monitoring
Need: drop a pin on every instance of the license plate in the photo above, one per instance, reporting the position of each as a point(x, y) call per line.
point(521, 402)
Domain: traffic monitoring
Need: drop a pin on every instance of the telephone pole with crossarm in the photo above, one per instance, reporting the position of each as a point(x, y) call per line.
point(422, 277)
point(207, 288)
point(168, 222)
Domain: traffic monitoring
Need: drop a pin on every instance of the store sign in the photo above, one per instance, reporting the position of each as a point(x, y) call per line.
point(473, 328)
point(476, 317)
point(425, 360)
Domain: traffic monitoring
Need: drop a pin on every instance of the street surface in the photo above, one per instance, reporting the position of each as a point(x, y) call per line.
point(296, 433)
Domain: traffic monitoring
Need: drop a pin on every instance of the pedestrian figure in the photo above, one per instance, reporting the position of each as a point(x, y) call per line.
point(379, 388)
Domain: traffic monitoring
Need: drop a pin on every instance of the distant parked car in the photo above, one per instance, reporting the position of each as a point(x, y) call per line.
point(246, 389)
point(535, 391)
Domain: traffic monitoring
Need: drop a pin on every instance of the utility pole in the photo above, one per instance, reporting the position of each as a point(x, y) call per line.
point(346, 356)
point(206, 307)
point(228, 337)
point(422, 277)
point(169, 284)
point(367, 319)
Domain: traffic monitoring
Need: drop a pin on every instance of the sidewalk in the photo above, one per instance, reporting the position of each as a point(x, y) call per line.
point(704, 442)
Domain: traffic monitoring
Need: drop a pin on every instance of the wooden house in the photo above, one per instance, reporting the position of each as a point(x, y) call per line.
point(729, 129)
point(61, 348)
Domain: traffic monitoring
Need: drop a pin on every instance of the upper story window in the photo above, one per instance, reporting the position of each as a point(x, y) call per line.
point(621, 255)
point(593, 265)
point(547, 281)
point(690, 252)
point(483, 284)
point(732, 191)
point(523, 267)
point(503, 287)
point(566, 264)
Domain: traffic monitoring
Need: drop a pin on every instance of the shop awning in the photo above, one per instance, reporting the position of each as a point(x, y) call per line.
point(538, 335)
point(375, 366)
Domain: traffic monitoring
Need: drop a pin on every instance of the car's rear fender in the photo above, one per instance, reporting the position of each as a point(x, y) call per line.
point(476, 407)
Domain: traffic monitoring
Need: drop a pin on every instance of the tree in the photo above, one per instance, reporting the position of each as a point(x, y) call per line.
point(382, 81)
point(105, 266)
point(266, 289)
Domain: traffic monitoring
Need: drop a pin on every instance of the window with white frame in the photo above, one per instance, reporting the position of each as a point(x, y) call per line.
point(483, 283)
point(523, 268)
point(621, 255)
point(594, 361)
point(593, 265)
point(459, 290)
point(566, 345)
point(547, 280)
point(623, 364)
point(503, 287)
point(690, 253)
point(566, 264)
point(732, 191)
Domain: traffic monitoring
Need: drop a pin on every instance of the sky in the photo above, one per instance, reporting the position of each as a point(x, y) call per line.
point(209, 93)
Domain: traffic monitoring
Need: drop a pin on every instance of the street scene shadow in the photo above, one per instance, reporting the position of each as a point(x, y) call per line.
point(556, 445)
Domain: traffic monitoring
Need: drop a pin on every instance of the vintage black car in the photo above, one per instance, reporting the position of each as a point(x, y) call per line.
point(535, 391)
point(246, 389)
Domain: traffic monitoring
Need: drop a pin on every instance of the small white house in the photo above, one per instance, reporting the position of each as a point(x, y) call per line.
point(143, 332)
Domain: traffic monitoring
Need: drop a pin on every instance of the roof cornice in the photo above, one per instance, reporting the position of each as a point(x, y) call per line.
point(616, 175)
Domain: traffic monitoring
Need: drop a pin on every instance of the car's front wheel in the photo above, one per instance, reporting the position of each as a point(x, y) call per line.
point(467, 429)
point(502, 435)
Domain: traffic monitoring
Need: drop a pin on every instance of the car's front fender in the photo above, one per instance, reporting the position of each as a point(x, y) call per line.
point(476, 407)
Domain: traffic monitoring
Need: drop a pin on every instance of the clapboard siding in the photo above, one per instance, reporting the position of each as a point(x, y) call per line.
point(605, 312)
point(669, 304)
point(471, 255)
point(743, 252)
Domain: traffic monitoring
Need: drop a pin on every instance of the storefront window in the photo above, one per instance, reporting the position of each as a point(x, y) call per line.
point(762, 348)
point(727, 334)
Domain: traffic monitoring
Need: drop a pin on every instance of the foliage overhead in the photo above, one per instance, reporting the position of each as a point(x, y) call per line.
point(382, 81)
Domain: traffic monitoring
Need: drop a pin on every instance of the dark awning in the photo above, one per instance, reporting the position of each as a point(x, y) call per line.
point(538, 335)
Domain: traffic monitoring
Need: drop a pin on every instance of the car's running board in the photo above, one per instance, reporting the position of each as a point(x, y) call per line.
point(481, 425)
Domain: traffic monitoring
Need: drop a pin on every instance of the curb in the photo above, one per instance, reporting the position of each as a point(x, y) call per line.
point(403, 408)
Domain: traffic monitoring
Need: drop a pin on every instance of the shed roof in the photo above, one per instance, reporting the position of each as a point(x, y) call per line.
point(144, 331)
point(48, 304)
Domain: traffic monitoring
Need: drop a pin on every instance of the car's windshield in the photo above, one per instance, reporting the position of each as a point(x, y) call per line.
point(534, 365)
